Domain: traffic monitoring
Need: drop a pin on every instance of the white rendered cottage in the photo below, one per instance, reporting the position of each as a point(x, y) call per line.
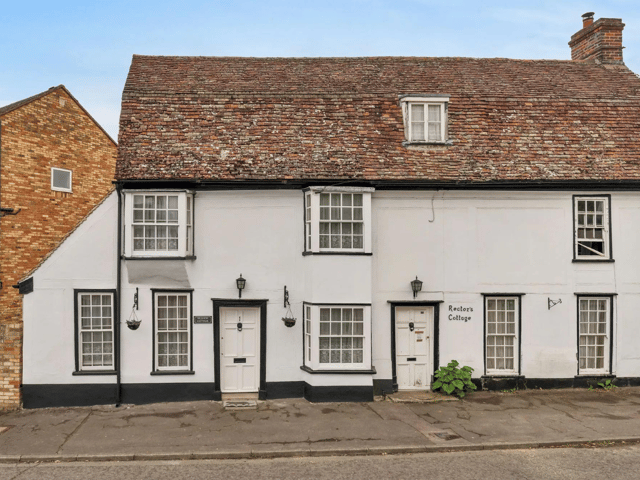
point(509, 188)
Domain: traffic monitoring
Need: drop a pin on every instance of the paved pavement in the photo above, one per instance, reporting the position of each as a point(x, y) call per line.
point(295, 427)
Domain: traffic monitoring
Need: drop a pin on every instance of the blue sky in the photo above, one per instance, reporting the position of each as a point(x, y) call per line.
point(87, 45)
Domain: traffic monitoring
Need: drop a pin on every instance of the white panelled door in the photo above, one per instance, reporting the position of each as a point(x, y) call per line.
point(414, 347)
point(239, 349)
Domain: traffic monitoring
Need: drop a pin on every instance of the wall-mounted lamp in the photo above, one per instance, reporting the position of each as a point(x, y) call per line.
point(240, 283)
point(416, 286)
point(133, 322)
point(553, 303)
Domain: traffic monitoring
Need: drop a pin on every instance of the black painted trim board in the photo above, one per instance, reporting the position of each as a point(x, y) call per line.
point(301, 184)
point(76, 330)
point(141, 393)
point(240, 302)
point(338, 393)
point(277, 390)
point(78, 395)
point(436, 335)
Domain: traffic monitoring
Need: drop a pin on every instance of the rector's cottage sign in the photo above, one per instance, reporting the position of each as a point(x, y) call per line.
point(459, 313)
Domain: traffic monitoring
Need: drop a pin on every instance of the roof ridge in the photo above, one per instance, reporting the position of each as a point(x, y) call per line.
point(25, 101)
point(21, 103)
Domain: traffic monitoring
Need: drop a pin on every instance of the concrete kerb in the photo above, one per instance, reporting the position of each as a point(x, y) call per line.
point(269, 454)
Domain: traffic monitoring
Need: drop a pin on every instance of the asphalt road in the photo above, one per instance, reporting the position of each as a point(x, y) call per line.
point(565, 463)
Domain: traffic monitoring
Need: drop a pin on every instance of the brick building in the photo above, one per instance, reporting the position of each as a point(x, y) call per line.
point(56, 163)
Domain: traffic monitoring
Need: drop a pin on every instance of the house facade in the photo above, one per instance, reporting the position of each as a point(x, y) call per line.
point(56, 163)
point(404, 211)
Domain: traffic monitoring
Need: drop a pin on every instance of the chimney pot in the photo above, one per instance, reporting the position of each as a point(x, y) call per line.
point(587, 19)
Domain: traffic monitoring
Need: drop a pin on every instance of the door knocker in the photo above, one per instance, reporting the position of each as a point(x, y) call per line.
point(411, 328)
point(239, 326)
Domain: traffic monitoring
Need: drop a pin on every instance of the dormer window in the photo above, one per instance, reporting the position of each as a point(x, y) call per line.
point(425, 118)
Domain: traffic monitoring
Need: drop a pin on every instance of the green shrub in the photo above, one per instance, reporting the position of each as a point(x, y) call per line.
point(607, 385)
point(453, 380)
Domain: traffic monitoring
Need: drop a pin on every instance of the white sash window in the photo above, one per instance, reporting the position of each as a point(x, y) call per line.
point(337, 337)
point(591, 228)
point(593, 330)
point(502, 327)
point(338, 219)
point(158, 224)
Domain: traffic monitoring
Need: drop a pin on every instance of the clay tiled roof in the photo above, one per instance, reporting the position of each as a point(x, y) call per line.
point(226, 119)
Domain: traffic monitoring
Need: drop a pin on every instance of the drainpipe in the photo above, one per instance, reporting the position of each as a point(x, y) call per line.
point(118, 296)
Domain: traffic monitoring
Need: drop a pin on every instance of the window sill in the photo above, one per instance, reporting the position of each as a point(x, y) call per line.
point(304, 254)
point(407, 143)
point(192, 257)
point(173, 372)
point(595, 260)
point(372, 371)
point(502, 375)
point(94, 372)
point(595, 375)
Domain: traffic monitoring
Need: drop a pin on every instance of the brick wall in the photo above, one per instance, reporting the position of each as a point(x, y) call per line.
point(601, 41)
point(52, 131)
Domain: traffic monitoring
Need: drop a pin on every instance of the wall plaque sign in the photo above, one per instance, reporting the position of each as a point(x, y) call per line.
point(197, 319)
point(458, 313)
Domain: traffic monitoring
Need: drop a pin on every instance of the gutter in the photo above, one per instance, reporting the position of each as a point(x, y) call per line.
point(118, 297)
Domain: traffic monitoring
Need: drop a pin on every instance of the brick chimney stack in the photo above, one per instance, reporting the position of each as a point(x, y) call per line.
point(600, 41)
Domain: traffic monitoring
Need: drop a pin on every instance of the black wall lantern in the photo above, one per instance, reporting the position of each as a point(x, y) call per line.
point(416, 286)
point(240, 283)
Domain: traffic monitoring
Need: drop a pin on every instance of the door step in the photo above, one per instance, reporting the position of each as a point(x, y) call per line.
point(240, 401)
point(419, 396)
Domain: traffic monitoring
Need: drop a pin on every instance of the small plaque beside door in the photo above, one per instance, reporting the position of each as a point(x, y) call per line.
point(202, 319)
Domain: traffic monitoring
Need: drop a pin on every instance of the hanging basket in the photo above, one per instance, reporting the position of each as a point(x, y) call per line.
point(289, 322)
point(133, 322)
point(288, 319)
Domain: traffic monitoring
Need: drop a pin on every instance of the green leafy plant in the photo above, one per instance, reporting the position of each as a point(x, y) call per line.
point(606, 384)
point(453, 380)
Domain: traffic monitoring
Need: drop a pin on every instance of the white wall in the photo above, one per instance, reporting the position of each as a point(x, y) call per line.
point(85, 260)
point(473, 242)
point(460, 243)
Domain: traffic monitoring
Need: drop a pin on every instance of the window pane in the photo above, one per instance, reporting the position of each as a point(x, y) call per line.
point(417, 132)
point(434, 113)
point(434, 132)
point(417, 113)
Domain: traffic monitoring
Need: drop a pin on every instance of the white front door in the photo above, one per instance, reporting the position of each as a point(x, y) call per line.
point(239, 349)
point(414, 347)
